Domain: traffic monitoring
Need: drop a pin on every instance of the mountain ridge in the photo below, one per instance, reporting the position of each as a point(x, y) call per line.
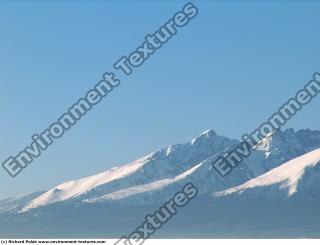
point(158, 175)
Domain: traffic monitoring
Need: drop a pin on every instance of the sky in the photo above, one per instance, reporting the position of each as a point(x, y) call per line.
point(228, 70)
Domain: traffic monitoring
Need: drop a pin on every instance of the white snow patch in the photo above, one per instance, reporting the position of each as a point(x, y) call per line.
point(144, 188)
point(265, 145)
point(75, 188)
point(288, 174)
point(207, 134)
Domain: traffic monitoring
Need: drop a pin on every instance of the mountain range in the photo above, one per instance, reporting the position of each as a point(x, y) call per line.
point(281, 175)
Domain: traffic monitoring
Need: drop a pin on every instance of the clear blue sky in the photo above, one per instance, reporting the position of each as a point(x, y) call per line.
point(228, 70)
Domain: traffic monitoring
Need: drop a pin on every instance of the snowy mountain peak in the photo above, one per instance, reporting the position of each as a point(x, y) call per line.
point(283, 179)
point(157, 175)
point(167, 163)
point(208, 134)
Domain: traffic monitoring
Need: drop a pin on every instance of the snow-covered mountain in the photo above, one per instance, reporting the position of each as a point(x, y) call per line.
point(163, 169)
point(298, 177)
point(281, 147)
point(288, 144)
point(276, 189)
point(157, 176)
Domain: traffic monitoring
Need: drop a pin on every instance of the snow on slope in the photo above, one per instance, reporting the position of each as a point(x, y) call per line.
point(163, 164)
point(286, 176)
point(201, 175)
point(154, 186)
point(265, 145)
point(75, 188)
point(158, 172)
